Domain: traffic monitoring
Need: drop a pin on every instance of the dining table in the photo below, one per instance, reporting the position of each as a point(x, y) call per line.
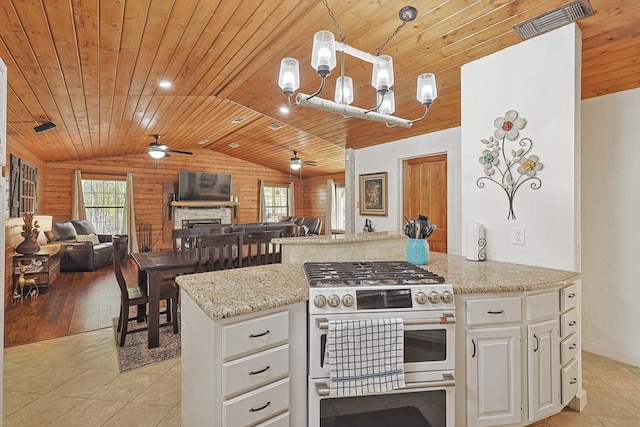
point(153, 267)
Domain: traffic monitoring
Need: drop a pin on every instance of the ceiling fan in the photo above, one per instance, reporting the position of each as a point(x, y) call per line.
point(295, 163)
point(158, 151)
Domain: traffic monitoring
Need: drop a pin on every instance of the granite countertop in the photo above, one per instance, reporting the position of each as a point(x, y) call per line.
point(340, 238)
point(229, 293)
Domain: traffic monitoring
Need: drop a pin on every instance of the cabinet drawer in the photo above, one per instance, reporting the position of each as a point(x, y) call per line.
point(281, 420)
point(256, 406)
point(255, 371)
point(568, 348)
point(569, 379)
point(569, 322)
point(492, 311)
point(543, 305)
point(255, 334)
point(568, 297)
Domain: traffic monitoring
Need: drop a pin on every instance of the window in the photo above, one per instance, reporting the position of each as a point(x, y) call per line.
point(104, 204)
point(339, 214)
point(276, 202)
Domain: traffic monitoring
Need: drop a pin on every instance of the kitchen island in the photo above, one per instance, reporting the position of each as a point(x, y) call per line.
point(535, 308)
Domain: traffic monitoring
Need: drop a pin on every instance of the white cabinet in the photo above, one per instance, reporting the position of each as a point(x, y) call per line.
point(543, 375)
point(244, 371)
point(493, 376)
point(521, 361)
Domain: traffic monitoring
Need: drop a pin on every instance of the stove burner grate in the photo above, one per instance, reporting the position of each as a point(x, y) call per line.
point(373, 273)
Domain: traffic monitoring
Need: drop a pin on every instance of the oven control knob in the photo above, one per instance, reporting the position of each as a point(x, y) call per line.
point(421, 298)
point(347, 300)
point(434, 297)
point(320, 301)
point(333, 300)
point(447, 297)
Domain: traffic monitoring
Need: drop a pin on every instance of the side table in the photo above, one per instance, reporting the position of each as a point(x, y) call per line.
point(34, 273)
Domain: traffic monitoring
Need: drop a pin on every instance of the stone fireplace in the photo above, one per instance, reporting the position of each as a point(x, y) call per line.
point(195, 212)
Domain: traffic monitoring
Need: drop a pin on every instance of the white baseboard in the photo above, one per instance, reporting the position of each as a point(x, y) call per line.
point(610, 353)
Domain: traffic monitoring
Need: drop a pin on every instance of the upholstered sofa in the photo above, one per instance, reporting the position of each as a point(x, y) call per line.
point(78, 255)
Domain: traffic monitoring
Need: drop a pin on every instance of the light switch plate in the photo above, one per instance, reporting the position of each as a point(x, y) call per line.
point(517, 236)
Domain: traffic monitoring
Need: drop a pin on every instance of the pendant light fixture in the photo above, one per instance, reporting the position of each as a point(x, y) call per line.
point(323, 60)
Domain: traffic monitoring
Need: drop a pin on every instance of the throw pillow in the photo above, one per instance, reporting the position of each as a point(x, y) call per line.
point(88, 238)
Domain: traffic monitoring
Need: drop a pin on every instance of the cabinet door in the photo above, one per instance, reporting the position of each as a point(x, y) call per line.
point(494, 390)
point(544, 369)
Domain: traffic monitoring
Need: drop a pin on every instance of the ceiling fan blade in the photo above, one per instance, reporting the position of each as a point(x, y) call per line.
point(181, 152)
point(309, 163)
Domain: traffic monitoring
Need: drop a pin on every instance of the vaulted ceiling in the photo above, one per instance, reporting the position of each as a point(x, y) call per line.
point(93, 67)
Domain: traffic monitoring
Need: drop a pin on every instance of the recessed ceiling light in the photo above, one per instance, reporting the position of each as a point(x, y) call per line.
point(203, 141)
point(238, 120)
point(274, 126)
point(164, 84)
point(234, 145)
point(284, 110)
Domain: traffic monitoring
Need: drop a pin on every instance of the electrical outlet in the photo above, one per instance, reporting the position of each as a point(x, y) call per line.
point(517, 236)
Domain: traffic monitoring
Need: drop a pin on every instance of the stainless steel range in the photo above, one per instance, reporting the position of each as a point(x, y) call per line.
point(375, 290)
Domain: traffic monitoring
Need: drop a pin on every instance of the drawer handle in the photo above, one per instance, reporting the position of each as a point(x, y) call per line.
point(572, 295)
point(572, 323)
point(259, 335)
point(573, 381)
point(260, 408)
point(572, 346)
point(474, 348)
point(260, 371)
point(495, 312)
point(537, 343)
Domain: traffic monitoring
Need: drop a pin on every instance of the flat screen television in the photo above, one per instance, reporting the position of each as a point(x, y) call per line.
point(214, 187)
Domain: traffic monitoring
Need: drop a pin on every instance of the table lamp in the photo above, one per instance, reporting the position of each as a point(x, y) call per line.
point(45, 223)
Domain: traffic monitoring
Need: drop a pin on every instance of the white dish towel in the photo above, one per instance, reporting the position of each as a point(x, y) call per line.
point(365, 356)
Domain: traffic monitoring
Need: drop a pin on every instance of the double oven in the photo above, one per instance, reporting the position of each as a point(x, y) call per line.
point(378, 290)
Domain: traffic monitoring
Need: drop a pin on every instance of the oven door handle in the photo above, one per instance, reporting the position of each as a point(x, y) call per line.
point(322, 389)
point(445, 319)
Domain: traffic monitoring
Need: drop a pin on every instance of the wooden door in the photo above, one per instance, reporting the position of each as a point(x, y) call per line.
point(424, 191)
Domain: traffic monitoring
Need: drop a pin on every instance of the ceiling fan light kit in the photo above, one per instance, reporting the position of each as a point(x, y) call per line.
point(158, 151)
point(296, 163)
point(323, 60)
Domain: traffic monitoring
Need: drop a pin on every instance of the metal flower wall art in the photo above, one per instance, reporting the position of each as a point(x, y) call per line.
point(514, 171)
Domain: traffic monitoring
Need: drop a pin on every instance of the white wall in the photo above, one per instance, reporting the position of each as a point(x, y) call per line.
point(538, 78)
point(610, 229)
point(388, 158)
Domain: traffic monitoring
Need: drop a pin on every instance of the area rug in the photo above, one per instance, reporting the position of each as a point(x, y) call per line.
point(135, 352)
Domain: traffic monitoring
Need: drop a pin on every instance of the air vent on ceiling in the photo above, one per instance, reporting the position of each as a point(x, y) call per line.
point(238, 120)
point(274, 126)
point(555, 18)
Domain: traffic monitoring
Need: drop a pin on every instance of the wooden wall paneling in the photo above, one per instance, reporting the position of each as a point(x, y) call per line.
point(315, 197)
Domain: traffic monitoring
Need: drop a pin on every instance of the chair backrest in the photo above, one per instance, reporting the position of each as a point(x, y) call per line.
point(313, 224)
point(260, 250)
point(219, 251)
point(120, 244)
point(185, 238)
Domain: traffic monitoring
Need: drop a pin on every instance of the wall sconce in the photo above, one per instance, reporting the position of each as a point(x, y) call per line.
point(323, 60)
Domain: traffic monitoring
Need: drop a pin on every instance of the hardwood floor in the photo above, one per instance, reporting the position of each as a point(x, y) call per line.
point(76, 302)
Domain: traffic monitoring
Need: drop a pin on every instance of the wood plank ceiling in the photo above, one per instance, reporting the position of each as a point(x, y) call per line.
point(93, 68)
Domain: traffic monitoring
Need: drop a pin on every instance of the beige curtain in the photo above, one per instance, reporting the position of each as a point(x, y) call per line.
point(129, 217)
point(291, 200)
point(262, 214)
point(328, 217)
point(77, 206)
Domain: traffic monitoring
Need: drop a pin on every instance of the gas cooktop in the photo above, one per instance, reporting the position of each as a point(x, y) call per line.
point(373, 273)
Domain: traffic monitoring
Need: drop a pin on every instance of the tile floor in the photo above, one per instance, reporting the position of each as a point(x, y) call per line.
point(74, 380)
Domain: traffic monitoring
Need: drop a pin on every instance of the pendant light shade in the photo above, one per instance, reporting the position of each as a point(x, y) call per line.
point(289, 78)
point(387, 103)
point(344, 90)
point(427, 91)
point(323, 56)
point(382, 78)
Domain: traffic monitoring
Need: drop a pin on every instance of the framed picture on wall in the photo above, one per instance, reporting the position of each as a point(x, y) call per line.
point(373, 194)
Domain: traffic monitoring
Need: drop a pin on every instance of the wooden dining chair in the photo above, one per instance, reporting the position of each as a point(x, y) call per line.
point(260, 250)
point(137, 295)
point(219, 251)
